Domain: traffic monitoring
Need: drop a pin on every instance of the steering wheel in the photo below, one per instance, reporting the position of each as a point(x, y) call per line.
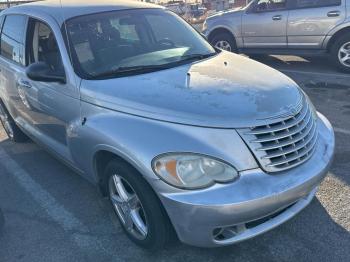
point(166, 42)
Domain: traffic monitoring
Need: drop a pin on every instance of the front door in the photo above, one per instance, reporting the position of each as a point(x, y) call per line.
point(53, 107)
point(264, 25)
point(311, 20)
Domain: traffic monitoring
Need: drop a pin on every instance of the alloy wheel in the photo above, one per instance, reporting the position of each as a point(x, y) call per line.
point(128, 207)
point(344, 54)
point(223, 45)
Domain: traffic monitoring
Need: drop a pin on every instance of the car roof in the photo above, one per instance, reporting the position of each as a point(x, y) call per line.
point(62, 10)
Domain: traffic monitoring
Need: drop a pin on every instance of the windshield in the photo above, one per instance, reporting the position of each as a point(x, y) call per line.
point(119, 43)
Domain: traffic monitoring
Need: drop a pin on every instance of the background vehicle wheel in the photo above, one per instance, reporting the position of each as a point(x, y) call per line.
point(224, 41)
point(340, 53)
point(10, 127)
point(138, 209)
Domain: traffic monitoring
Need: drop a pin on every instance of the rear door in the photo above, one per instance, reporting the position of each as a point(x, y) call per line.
point(310, 21)
point(264, 25)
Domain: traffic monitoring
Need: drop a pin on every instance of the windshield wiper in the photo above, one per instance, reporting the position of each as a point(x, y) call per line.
point(126, 70)
point(130, 70)
point(191, 57)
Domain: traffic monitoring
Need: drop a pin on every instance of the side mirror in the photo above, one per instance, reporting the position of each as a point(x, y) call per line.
point(41, 72)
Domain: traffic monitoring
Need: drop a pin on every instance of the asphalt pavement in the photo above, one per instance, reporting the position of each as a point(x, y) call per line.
point(53, 214)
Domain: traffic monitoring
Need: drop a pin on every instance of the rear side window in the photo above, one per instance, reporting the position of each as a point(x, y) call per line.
point(12, 38)
point(316, 3)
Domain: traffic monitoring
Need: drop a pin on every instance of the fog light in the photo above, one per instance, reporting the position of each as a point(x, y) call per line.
point(224, 233)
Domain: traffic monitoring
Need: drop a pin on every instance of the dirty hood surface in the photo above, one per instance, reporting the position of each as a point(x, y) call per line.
point(224, 91)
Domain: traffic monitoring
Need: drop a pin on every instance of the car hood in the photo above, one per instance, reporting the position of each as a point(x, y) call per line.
point(224, 91)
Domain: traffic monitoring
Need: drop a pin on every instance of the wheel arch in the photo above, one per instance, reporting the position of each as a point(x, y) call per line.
point(219, 30)
point(101, 158)
point(337, 35)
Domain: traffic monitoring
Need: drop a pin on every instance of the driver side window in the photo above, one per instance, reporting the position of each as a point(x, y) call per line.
point(271, 5)
point(42, 46)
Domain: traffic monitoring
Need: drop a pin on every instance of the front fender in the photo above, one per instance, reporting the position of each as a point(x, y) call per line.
point(138, 140)
point(227, 22)
point(335, 30)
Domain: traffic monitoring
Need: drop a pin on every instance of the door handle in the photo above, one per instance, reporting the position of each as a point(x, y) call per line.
point(277, 18)
point(333, 13)
point(24, 83)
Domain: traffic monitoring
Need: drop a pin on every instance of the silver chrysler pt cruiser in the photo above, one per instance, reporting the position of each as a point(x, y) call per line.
point(184, 139)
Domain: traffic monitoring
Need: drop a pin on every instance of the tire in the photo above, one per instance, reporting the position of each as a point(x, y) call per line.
point(224, 41)
point(158, 228)
point(12, 130)
point(342, 43)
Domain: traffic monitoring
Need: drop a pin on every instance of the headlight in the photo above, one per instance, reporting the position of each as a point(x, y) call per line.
point(192, 171)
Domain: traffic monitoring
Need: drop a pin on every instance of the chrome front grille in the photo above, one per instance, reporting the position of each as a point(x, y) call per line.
point(282, 145)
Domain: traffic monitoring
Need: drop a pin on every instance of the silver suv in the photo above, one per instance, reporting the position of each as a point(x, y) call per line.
point(298, 27)
point(181, 137)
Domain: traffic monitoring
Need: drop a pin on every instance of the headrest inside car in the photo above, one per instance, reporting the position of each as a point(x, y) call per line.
point(129, 21)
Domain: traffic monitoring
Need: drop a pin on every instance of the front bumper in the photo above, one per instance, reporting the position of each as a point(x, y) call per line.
point(254, 204)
